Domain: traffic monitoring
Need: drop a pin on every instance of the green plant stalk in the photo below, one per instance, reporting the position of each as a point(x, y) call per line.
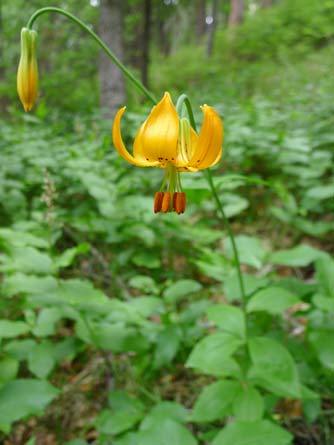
point(97, 39)
point(182, 100)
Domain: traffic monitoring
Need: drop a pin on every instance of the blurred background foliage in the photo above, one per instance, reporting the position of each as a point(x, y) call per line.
point(103, 302)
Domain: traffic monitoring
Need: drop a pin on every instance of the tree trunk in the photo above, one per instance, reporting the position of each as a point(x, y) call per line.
point(266, 3)
point(237, 13)
point(112, 90)
point(146, 41)
point(200, 10)
point(213, 27)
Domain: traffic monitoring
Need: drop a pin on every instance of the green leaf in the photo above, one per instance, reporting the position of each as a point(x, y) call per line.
point(250, 250)
point(67, 258)
point(261, 432)
point(41, 359)
point(147, 306)
point(8, 369)
point(325, 274)
point(273, 367)
point(21, 239)
point(27, 260)
point(146, 259)
point(168, 342)
point(163, 410)
point(274, 300)
point(324, 303)
point(19, 349)
point(229, 318)
point(320, 192)
point(251, 283)
point(215, 401)
point(166, 432)
point(322, 342)
point(9, 329)
point(21, 283)
point(212, 354)
point(22, 398)
point(144, 283)
point(299, 256)
point(248, 405)
point(180, 289)
point(46, 322)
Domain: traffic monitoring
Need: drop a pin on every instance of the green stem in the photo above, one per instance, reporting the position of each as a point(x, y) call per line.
point(97, 39)
point(184, 100)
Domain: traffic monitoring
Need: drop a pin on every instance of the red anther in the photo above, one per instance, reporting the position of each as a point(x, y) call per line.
point(165, 202)
point(158, 197)
point(179, 202)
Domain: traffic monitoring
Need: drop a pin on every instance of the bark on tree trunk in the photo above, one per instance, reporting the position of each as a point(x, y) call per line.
point(266, 3)
point(112, 89)
point(213, 27)
point(200, 19)
point(146, 41)
point(237, 13)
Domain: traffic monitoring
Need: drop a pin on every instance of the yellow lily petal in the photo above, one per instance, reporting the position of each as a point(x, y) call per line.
point(119, 144)
point(210, 140)
point(156, 139)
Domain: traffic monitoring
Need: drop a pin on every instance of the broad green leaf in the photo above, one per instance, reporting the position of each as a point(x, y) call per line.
point(299, 256)
point(250, 250)
point(273, 368)
point(164, 410)
point(325, 274)
point(165, 432)
point(251, 283)
point(229, 318)
point(261, 432)
point(19, 349)
point(26, 284)
point(274, 300)
point(46, 322)
point(23, 397)
point(320, 192)
point(8, 369)
point(117, 421)
point(180, 289)
point(311, 402)
point(146, 259)
point(322, 342)
point(323, 303)
point(9, 329)
point(77, 293)
point(168, 342)
point(21, 239)
point(248, 404)
point(67, 257)
point(147, 306)
point(212, 354)
point(215, 401)
point(144, 283)
point(27, 260)
point(41, 359)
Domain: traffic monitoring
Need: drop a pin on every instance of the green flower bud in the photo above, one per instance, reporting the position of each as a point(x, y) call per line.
point(27, 73)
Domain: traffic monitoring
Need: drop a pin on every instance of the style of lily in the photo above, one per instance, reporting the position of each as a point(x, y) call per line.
point(167, 141)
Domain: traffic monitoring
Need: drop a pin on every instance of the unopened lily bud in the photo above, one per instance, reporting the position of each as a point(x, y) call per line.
point(27, 73)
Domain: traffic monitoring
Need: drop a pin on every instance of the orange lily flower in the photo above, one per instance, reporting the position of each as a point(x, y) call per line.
point(166, 141)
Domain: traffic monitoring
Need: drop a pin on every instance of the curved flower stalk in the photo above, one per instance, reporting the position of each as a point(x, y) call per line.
point(27, 73)
point(167, 141)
